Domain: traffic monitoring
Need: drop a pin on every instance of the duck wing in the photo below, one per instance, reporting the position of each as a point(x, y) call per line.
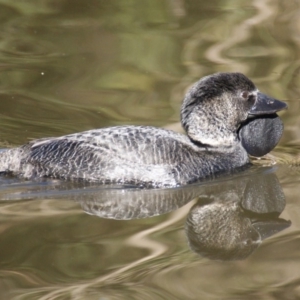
point(120, 154)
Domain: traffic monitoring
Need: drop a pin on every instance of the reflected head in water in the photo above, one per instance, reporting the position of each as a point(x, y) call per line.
point(224, 115)
point(229, 224)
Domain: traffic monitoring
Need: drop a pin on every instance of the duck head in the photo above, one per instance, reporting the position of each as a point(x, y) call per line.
point(225, 108)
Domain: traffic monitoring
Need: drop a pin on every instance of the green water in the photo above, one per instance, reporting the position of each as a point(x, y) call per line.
point(68, 66)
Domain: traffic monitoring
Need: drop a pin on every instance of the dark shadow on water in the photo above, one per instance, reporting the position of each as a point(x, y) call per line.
point(231, 217)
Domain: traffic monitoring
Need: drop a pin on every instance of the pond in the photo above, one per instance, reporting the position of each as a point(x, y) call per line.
point(68, 66)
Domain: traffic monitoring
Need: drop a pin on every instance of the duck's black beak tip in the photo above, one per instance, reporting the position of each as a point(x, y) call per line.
point(265, 105)
point(270, 227)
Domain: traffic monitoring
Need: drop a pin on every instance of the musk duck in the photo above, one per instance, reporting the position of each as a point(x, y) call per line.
point(225, 117)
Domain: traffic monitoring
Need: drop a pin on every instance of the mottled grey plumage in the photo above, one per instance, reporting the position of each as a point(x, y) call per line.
point(212, 112)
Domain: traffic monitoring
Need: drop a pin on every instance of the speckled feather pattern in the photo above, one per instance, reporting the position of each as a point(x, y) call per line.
point(140, 155)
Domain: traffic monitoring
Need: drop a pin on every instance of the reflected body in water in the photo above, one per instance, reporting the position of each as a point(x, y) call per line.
point(228, 222)
point(230, 219)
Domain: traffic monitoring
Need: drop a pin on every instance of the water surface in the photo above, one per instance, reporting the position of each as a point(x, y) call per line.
point(68, 66)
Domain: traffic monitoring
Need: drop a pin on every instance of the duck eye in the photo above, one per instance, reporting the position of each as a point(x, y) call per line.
point(245, 95)
point(248, 96)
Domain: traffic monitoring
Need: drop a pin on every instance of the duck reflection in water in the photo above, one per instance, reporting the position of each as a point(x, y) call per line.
point(228, 222)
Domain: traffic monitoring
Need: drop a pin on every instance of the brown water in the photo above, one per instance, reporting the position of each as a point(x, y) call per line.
point(70, 65)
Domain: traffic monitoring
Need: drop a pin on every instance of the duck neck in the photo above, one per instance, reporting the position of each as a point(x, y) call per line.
point(214, 136)
point(210, 130)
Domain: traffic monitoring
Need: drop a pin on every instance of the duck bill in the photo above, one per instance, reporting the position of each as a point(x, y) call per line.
point(265, 105)
point(268, 228)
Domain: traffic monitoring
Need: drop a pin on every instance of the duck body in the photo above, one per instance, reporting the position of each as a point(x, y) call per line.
point(213, 112)
point(139, 155)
